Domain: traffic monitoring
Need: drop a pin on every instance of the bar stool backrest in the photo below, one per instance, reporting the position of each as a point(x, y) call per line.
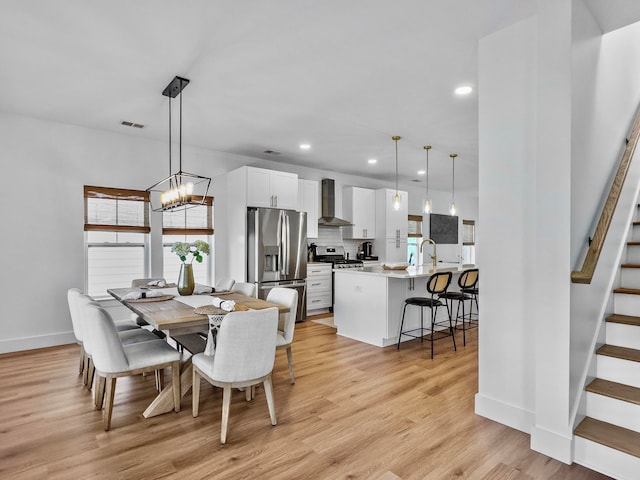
point(438, 283)
point(468, 278)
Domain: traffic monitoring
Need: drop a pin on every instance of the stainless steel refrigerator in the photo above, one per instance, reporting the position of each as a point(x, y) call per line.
point(277, 252)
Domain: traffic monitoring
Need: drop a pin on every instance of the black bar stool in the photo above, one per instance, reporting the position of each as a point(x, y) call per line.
point(468, 284)
point(436, 285)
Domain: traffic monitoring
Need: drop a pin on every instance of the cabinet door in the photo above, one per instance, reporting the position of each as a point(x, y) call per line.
point(259, 188)
point(397, 220)
point(396, 250)
point(364, 213)
point(308, 201)
point(285, 190)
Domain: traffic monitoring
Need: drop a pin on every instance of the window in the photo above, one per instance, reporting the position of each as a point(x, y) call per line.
point(116, 225)
point(468, 241)
point(195, 223)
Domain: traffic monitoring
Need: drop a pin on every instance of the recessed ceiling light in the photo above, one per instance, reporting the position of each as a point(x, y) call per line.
point(372, 161)
point(421, 172)
point(305, 146)
point(465, 90)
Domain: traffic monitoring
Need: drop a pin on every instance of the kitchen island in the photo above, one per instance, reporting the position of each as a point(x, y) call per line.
point(368, 303)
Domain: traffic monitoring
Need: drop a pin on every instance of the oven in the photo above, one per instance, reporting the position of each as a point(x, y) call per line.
point(336, 256)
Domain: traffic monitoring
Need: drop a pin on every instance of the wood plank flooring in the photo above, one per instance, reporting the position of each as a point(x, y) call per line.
point(356, 411)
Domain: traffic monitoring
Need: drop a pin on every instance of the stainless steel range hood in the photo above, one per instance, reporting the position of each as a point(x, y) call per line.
point(328, 218)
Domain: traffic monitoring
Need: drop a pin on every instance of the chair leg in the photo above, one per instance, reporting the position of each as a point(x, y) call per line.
point(401, 324)
point(195, 392)
point(249, 393)
point(85, 369)
point(108, 408)
point(99, 392)
point(290, 360)
point(175, 383)
point(268, 390)
point(464, 331)
point(92, 373)
point(453, 337)
point(82, 360)
point(226, 402)
point(433, 326)
point(159, 379)
point(421, 324)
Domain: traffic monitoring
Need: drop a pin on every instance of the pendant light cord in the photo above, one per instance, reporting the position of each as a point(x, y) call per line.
point(170, 181)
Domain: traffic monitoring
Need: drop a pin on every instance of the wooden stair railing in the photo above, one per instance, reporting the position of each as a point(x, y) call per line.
point(585, 274)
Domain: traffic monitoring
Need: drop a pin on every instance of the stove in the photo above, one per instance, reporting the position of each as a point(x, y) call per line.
point(336, 256)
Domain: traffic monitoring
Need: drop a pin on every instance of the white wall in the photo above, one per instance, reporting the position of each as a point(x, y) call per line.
point(44, 255)
point(507, 195)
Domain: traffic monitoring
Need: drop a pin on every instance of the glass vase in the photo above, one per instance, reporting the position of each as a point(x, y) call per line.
point(186, 283)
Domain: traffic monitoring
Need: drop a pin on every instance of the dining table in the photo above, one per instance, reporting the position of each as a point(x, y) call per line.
point(175, 315)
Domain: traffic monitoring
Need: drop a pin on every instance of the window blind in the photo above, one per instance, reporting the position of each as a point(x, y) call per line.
point(468, 232)
point(415, 226)
point(116, 210)
point(197, 220)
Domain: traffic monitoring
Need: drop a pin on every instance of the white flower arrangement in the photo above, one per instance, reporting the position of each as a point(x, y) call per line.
point(196, 249)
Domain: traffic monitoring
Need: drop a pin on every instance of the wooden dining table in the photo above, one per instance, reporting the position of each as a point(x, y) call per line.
point(175, 315)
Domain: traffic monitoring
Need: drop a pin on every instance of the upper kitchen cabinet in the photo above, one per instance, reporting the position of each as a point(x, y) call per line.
point(308, 201)
point(359, 207)
point(391, 223)
point(270, 188)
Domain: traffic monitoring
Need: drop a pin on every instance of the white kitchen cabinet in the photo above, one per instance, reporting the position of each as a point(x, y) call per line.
point(392, 226)
point(270, 188)
point(309, 201)
point(359, 207)
point(319, 285)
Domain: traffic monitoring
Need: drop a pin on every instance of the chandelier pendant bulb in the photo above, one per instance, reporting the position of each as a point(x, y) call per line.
point(396, 197)
point(180, 190)
point(452, 210)
point(427, 200)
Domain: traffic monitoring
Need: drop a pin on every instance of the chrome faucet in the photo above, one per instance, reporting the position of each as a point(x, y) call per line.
point(434, 256)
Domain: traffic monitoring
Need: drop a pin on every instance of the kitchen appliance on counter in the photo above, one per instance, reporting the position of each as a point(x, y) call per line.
point(337, 257)
point(366, 252)
point(277, 252)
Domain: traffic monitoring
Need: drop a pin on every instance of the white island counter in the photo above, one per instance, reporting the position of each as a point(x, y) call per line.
point(368, 303)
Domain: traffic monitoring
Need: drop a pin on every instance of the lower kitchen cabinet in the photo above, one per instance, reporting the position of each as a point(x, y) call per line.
point(319, 285)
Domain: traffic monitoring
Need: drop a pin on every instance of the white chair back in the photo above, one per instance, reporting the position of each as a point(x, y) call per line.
point(246, 345)
point(248, 289)
point(103, 340)
point(289, 298)
point(224, 284)
point(73, 295)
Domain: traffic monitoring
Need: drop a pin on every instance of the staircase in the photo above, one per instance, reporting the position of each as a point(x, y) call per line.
point(608, 439)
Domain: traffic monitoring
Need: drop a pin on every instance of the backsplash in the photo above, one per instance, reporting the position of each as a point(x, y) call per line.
point(328, 236)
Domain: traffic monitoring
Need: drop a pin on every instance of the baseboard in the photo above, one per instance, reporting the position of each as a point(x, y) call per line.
point(552, 444)
point(40, 341)
point(509, 415)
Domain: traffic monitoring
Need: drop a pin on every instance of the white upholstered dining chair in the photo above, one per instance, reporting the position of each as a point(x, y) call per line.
point(77, 300)
point(112, 359)
point(244, 356)
point(287, 321)
point(248, 289)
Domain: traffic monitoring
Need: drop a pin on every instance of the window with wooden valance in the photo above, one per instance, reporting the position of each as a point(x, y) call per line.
point(197, 220)
point(116, 209)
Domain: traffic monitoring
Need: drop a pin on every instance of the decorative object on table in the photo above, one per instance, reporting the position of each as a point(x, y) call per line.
point(226, 305)
point(159, 298)
point(180, 190)
point(395, 266)
point(138, 293)
point(203, 290)
point(186, 283)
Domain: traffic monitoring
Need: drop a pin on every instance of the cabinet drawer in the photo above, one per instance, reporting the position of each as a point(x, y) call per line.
point(318, 300)
point(318, 270)
point(319, 284)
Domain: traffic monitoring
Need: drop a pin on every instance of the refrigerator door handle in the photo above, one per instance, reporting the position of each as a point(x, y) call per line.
point(287, 267)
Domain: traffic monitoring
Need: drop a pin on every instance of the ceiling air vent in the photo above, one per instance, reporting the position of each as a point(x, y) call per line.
point(131, 124)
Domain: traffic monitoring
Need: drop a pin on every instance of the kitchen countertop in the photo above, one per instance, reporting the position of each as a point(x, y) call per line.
point(409, 272)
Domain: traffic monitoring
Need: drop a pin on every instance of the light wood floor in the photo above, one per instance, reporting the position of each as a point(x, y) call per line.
point(356, 411)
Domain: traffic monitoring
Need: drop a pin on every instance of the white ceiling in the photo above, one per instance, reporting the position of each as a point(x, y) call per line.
point(342, 75)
